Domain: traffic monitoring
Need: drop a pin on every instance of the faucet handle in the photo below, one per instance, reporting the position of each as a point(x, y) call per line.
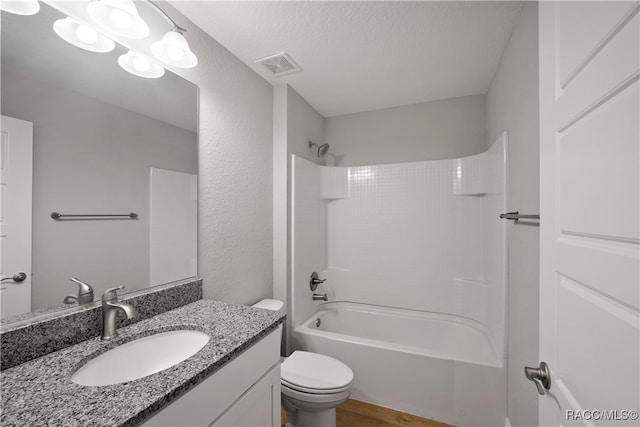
point(84, 288)
point(110, 294)
point(314, 281)
point(85, 292)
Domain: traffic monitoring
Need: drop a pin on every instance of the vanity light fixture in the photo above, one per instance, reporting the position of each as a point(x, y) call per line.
point(140, 65)
point(20, 7)
point(82, 36)
point(173, 48)
point(118, 16)
point(121, 17)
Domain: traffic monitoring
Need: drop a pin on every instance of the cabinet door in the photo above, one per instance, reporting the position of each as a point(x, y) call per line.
point(210, 400)
point(258, 407)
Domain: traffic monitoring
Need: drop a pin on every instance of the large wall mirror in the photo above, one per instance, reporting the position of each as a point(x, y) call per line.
point(104, 142)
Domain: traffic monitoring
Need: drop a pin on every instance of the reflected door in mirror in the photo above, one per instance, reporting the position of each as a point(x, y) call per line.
point(16, 147)
point(173, 219)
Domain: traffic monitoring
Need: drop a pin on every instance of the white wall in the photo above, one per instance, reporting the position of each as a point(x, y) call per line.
point(84, 164)
point(295, 124)
point(434, 130)
point(281, 201)
point(235, 227)
point(304, 124)
point(309, 237)
point(512, 106)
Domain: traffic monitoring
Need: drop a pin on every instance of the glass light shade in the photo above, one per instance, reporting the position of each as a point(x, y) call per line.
point(140, 65)
point(20, 7)
point(118, 16)
point(174, 50)
point(82, 36)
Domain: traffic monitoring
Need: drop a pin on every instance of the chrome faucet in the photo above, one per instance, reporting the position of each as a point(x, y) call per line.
point(85, 293)
point(110, 307)
point(319, 297)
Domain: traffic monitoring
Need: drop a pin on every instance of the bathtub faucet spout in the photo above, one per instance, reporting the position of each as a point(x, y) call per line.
point(320, 297)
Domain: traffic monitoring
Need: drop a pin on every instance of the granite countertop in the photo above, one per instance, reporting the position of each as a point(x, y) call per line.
point(40, 392)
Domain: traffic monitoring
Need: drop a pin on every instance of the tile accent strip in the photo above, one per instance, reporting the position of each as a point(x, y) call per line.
point(40, 337)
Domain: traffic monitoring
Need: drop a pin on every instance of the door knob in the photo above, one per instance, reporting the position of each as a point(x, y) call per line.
point(17, 278)
point(540, 377)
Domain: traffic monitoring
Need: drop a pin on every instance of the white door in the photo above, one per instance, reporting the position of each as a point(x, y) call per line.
point(173, 226)
point(590, 216)
point(16, 153)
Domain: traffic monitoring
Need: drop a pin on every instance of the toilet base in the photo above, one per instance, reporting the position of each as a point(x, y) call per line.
point(326, 418)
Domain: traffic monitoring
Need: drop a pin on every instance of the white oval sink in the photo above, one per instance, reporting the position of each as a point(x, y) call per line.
point(139, 358)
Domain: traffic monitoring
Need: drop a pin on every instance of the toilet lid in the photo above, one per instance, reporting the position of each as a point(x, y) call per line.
point(311, 371)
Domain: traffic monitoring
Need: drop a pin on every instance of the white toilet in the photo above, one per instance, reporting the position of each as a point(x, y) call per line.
point(312, 384)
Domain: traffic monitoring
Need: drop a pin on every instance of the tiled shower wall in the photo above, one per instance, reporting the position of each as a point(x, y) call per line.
point(403, 239)
point(409, 235)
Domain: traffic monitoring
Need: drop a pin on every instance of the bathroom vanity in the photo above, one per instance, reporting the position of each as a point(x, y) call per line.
point(233, 380)
point(245, 392)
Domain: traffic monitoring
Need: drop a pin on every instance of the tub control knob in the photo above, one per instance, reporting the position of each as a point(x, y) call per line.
point(314, 281)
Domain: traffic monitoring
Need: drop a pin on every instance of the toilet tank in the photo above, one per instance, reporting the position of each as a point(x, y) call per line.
point(269, 304)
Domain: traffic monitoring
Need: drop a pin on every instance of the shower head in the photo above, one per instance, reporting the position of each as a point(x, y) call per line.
point(322, 149)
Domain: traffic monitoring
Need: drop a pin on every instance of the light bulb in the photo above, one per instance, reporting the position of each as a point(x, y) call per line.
point(141, 63)
point(82, 36)
point(20, 7)
point(175, 53)
point(173, 49)
point(86, 34)
point(140, 66)
point(121, 19)
point(118, 16)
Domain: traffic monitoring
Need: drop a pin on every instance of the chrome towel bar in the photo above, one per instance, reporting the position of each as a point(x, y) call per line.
point(56, 216)
point(517, 215)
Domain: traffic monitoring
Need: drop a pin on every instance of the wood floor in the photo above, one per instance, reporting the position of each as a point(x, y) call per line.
point(354, 413)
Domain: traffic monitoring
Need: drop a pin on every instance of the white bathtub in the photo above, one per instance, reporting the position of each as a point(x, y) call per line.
point(437, 366)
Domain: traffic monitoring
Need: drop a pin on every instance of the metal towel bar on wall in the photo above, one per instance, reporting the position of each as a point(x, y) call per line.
point(517, 215)
point(57, 216)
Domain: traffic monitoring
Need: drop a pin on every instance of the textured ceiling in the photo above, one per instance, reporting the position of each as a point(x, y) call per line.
point(360, 56)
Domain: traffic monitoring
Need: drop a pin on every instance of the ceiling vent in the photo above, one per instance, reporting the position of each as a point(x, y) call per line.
point(279, 64)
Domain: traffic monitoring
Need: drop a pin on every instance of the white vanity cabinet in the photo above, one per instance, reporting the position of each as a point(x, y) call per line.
point(245, 392)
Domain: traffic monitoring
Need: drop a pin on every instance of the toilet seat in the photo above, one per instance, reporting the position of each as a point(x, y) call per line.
point(302, 389)
point(314, 373)
point(316, 399)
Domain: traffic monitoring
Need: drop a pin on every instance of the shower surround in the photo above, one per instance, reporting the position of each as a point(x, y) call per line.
point(421, 239)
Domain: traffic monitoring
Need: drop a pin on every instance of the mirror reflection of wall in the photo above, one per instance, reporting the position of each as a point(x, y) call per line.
point(97, 133)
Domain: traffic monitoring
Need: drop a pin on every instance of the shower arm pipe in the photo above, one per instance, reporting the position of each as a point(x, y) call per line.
point(168, 18)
